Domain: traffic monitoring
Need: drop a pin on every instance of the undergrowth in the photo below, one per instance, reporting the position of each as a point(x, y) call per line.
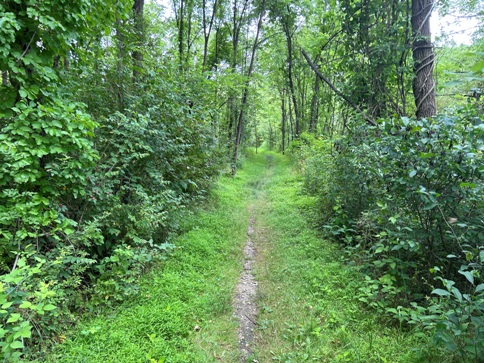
point(183, 311)
point(309, 310)
point(404, 200)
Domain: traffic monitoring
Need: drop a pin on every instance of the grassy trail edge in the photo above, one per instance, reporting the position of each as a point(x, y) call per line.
point(183, 312)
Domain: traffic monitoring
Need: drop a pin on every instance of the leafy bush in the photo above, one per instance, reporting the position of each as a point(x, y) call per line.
point(26, 307)
point(406, 199)
point(99, 201)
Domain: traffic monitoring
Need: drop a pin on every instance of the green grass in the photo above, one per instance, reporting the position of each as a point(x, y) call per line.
point(307, 294)
point(183, 312)
point(308, 310)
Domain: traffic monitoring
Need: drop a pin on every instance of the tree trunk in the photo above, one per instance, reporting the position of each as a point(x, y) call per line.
point(120, 64)
point(189, 6)
point(423, 57)
point(240, 122)
point(207, 29)
point(181, 21)
point(137, 55)
point(291, 133)
point(290, 75)
point(237, 20)
point(284, 119)
point(4, 78)
point(313, 122)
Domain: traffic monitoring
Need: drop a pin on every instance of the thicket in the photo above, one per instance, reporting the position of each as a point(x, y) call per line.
point(98, 160)
point(406, 200)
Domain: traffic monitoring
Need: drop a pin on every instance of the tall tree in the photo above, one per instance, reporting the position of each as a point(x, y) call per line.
point(207, 23)
point(287, 22)
point(240, 121)
point(137, 54)
point(424, 58)
point(239, 17)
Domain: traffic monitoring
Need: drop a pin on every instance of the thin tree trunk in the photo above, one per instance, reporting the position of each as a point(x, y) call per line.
point(290, 136)
point(181, 29)
point(207, 29)
point(284, 119)
point(290, 75)
point(120, 64)
point(313, 122)
point(240, 122)
point(237, 24)
point(339, 93)
point(189, 29)
point(423, 57)
point(4, 78)
point(137, 55)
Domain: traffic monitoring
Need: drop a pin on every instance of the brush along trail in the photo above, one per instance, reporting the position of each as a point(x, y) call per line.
point(251, 280)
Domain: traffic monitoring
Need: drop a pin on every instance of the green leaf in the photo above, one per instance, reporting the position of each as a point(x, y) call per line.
point(379, 249)
point(468, 275)
point(441, 292)
point(22, 93)
point(13, 318)
point(457, 293)
point(453, 83)
point(49, 307)
point(17, 344)
point(7, 305)
point(430, 206)
point(412, 173)
point(479, 288)
point(25, 305)
point(3, 332)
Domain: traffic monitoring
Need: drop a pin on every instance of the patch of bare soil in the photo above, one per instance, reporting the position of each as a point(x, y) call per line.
point(245, 308)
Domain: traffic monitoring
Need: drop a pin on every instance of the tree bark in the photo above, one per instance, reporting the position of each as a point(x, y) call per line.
point(181, 21)
point(423, 57)
point(137, 54)
point(338, 92)
point(237, 21)
point(290, 75)
point(240, 123)
point(120, 64)
point(313, 122)
point(207, 29)
point(284, 119)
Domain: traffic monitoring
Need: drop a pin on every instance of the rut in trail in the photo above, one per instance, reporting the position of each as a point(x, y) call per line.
point(245, 308)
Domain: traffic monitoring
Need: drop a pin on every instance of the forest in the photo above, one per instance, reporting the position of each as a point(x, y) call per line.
point(118, 116)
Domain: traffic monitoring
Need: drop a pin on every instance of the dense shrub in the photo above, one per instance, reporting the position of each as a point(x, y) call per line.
point(407, 201)
point(86, 206)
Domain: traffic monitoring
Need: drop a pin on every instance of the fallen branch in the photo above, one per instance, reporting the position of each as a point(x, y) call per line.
point(338, 92)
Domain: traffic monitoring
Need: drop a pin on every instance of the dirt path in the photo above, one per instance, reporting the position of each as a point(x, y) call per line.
point(245, 307)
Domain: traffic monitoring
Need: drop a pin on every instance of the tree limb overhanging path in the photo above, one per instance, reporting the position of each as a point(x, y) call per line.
point(315, 68)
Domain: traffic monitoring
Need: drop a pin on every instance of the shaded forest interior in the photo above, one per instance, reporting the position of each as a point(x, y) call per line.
point(117, 117)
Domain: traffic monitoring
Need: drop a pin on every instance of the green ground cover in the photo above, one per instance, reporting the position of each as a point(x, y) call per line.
point(308, 309)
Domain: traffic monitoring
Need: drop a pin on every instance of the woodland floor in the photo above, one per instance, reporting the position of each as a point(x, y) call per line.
point(251, 281)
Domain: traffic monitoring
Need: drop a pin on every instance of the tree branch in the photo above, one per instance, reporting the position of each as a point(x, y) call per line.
point(327, 81)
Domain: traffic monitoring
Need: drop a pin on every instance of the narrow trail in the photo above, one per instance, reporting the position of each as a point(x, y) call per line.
point(251, 281)
point(245, 306)
point(245, 302)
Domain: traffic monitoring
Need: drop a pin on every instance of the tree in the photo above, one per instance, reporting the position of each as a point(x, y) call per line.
point(137, 54)
point(424, 58)
point(240, 120)
point(207, 28)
